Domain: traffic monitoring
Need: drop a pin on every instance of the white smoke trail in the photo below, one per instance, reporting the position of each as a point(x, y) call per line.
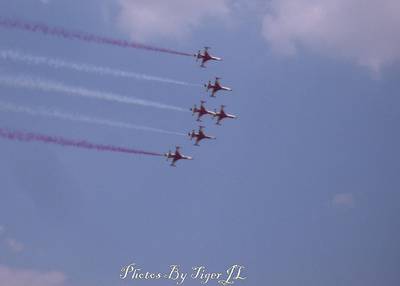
point(53, 86)
point(12, 55)
point(52, 113)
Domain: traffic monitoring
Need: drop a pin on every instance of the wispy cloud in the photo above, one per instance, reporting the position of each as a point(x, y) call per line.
point(24, 277)
point(144, 19)
point(363, 31)
point(11, 243)
point(343, 200)
point(14, 245)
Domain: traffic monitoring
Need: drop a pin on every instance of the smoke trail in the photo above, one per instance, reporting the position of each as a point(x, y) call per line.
point(29, 137)
point(40, 111)
point(82, 36)
point(58, 63)
point(52, 86)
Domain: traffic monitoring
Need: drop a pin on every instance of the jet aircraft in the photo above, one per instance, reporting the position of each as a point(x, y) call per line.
point(201, 110)
point(205, 57)
point(216, 87)
point(222, 115)
point(200, 135)
point(176, 156)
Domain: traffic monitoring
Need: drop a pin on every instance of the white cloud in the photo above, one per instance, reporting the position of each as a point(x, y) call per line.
point(364, 31)
point(343, 200)
point(147, 19)
point(11, 243)
point(21, 277)
point(14, 245)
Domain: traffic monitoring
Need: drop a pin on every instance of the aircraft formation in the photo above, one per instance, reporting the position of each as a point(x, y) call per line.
point(197, 136)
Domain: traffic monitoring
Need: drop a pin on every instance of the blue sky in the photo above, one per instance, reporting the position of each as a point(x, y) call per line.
point(302, 189)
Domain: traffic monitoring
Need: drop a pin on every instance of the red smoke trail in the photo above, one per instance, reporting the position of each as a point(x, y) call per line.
point(28, 137)
point(83, 36)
